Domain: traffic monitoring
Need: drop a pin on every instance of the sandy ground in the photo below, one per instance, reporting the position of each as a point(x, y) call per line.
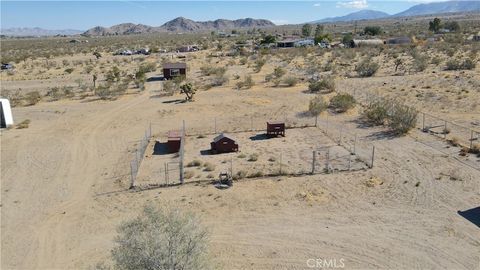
point(64, 190)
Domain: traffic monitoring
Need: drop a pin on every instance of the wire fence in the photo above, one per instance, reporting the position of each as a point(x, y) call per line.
point(311, 146)
point(139, 153)
point(454, 133)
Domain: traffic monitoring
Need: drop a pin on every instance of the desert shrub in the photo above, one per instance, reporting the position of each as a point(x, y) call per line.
point(342, 102)
point(326, 85)
point(243, 61)
point(402, 118)
point(161, 239)
point(148, 67)
point(278, 72)
point(241, 156)
point(194, 163)
point(372, 30)
point(247, 83)
point(207, 70)
point(455, 64)
point(367, 68)
point(253, 157)
point(24, 124)
point(259, 63)
point(113, 75)
point(169, 87)
point(69, 70)
point(103, 91)
point(420, 63)
point(219, 80)
point(317, 105)
point(376, 112)
point(15, 97)
point(208, 167)
point(255, 174)
point(32, 98)
point(290, 81)
point(240, 174)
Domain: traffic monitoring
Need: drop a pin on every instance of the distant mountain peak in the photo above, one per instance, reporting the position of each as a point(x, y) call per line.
point(179, 24)
point(365, 14)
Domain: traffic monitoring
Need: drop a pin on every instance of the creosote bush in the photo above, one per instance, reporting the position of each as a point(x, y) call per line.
point(342, 102)
point(325, 85)
point(399, 117)
point(317, 105)
point(367, 68)
point(290, 81)
point(456, 64)
point(161, 239)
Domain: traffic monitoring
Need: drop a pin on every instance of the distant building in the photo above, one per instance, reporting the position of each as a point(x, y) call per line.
point(188, 48)
point(476, 38)
point(290, 43)
point(172, 70)
point(399, 41)
point(366, 42)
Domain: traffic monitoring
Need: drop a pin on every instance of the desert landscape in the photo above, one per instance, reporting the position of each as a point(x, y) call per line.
point(379, 195)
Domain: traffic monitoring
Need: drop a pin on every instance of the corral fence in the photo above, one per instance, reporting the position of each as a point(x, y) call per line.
point(442, 128)
point(139, 154)
point(447, 130)
point(317, 147)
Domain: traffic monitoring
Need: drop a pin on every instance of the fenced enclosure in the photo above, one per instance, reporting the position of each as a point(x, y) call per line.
point(456, 134)
point(311, 146)
point(139, 154)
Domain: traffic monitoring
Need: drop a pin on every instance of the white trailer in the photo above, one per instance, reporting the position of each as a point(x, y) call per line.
point(5, 113)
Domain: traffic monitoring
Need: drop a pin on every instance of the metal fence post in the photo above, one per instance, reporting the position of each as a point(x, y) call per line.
point(471, 139)
point(182, 151)
point(313, 161)
point(423, 123)
point(251, 123)
point(373, 156)
point(327, 161)
point(132, 176)
point(316, 120)
point(281, 156)
point(215, 125)
point(355, 144)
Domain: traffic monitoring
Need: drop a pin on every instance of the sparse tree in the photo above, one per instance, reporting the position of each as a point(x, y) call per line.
point(94, 77)
point(97, 55)
point(398, 62)
point(434, 25)
point(372, 30)
point(319, 30)
point(306, 30)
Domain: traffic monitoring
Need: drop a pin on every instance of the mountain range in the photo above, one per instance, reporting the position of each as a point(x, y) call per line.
point(417, 10)
point(182, 24)
point(179, 24)
point(37, 31)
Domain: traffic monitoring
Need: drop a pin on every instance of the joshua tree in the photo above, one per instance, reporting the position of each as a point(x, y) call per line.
point(398, 62)
point(97, 55)
point(188, 90)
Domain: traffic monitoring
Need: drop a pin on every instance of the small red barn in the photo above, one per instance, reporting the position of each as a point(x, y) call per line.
point(174, 141)
point(223, 143)
point(172, 70)
point(275, 128)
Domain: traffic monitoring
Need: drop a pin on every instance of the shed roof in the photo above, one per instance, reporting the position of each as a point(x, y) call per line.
point(223, 135)
point(175, 65)
point(275, 122)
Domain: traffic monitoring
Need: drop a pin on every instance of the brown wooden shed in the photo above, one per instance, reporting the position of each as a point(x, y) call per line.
point(172, 70)
point(174, 141)
point(223, 143)
point(275, 128)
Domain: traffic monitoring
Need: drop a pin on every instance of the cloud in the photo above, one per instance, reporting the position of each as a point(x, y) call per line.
point(355, 4)
point(317, 5)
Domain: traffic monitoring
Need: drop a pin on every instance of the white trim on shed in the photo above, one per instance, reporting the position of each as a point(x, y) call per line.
point(6, 112)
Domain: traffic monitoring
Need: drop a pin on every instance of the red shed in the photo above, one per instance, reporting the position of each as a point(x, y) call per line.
point(223, 143)
point(275, 128)
point(172, 70)
point(174, 141)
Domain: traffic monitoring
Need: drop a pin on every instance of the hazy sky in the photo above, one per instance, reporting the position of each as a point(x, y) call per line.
point(83, 15)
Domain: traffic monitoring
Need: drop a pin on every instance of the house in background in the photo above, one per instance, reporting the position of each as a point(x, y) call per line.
point(223, 143)
point(6, 118)
point(290, 43)
point(172, 70)
point(399, 41)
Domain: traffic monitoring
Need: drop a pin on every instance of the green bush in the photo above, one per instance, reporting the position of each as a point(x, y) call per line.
point(32, 98)
point(290, 81)
point(367, 68)
point(342, 102)
point(376, 112)
point(456, 64)
point(402, 118)
point(326, 85)
point(317, 105)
